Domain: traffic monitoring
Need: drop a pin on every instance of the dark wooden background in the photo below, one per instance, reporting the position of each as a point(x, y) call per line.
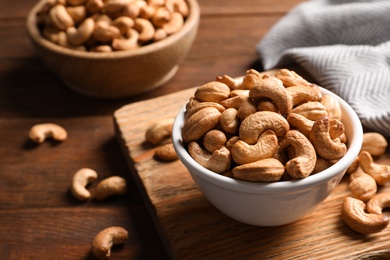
point(39, 219)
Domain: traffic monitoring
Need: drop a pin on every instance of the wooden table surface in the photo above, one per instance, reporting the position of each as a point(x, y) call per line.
point(39, 218)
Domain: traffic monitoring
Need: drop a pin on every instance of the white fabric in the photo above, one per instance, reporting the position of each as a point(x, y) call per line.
point(344, 46)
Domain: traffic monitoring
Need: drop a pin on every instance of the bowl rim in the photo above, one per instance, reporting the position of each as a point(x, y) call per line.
point(281, 186)
point(32, 30)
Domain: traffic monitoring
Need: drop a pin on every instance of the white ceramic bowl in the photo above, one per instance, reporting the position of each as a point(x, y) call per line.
point(271, 204)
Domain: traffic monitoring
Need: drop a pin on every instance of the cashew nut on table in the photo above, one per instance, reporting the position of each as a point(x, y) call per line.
point(110, 25)
point(271, 127)
point(362, 210)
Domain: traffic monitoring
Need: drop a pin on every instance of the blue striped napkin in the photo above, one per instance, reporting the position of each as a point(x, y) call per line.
point(345, 46)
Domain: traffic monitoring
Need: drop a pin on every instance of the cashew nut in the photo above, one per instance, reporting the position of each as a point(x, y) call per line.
point(362, 186)
point(219, 161)
point(302, 94)
point(255, 124)
point(199, 106)
point(214, 140)
point(159, 131)
point(123, 23)
point(105, 239)
point(229, 121)
point(378, 202)
point(212, 92)
point(105, 32)
point(272, 88)
point(179, 6)
point(374, 143)
point(265, 147)
point(78, 13)
point(311, 110)
point(354, 215)
point(228, 81)
point(60, 17)
point(250, 78)
point(200, 123)
point(145, 29)
point(332, 106)
point(303, 162)
point(265, 170)
point(380, 172)
point(322, 142)
point(166, 152)
point(40, 132)
point(77, 36)
point(128, 43)
point(114, 185)
point(247, 107)
point(80, 180)
point(291, 78)
point(174, 24)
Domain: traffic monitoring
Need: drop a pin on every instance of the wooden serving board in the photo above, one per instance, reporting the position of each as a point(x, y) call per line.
point(192, 228)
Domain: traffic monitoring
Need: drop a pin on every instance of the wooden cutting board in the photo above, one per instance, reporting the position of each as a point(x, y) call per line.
point(192, 228)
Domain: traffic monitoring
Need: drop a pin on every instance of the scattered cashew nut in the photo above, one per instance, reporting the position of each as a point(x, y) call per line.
point(79, 182)
point(40, 132)
point(105, 239)
point(354, 214)
point(114, 185)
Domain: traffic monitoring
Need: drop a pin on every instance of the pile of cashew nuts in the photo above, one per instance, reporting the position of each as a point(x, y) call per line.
point(110, 25)
point(265, 128)
point(362, 210)
point(113, 185)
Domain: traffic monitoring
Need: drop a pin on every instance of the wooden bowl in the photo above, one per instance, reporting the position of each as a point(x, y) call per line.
point(121, 73)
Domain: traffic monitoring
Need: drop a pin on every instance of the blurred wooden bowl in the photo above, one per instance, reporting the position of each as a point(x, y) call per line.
point(121, 73)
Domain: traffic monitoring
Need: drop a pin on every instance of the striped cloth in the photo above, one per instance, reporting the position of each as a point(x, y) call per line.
point(345, 46)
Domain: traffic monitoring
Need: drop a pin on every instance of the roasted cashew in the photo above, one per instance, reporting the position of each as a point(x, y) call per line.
point(354, 215)
point(199, 106)
point(233, 102)
point(378, 202)
point(78, 13)
point(380, 172)
point(75, 2)
point(255, 124)
point(311, 110)
point(302, 94)
point(250, 78)
point(79, 182)
point(133, 8)
point(229, 81)
point(102, 48)
point(60, 17)
point(145, 29)
point(332, 106)
point(165, 152)
point(128, 43)
point(322, 142)
point(362, 186)
point(114, 8)
point(300, 122)
point(321, 164)
point(147, 12)
point(214, 140)
point(200, 123)
point(105, 32)
point(105, 239)
point(219, 161)
point(94, 6)
point(374, 143)
point(304, 160)
point(114, 185)
point(159, 34)
point(174, 24)
point(77, 36)
point(265, 147)
point(40, 132)
point(213, 91)
point(179, 6)
point(247, 107)
point(123, 23)
point(229, 121)
point(291, 78)
point(265, 170)
point(272, 88)
point(159, 130)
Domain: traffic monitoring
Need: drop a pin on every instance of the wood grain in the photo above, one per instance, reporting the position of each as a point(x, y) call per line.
point(192, 228)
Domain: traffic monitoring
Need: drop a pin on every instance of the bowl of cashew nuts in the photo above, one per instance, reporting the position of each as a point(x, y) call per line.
point(113, 48)
point(266, 149)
